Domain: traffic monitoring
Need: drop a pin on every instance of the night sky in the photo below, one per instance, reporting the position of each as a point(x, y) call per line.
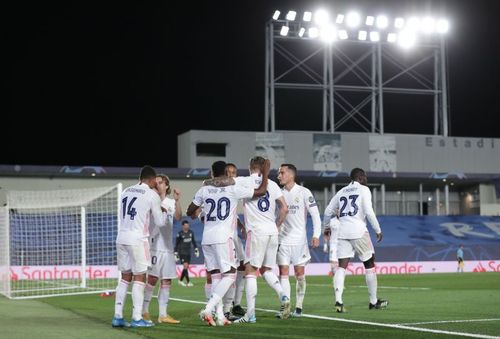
point(117, 82)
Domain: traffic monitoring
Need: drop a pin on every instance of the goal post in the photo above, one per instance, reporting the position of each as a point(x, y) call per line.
point(59, 242)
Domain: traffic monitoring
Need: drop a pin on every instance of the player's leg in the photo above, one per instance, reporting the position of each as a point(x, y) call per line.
point(141, 261)
point(345, 251)
point(186, 269)
point(153, 274)
point(125, 267)
point(301, 257)
point(364, 249)
point(283, 258)
point(229, 298)
point(208, 285)
point(240, 283)
point(168, 272)
point(268, 263)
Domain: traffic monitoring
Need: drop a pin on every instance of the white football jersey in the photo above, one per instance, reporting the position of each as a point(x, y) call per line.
point(138, 204)
point(260, 213)
point(219, 205)
point(161, 237)
point(300, 201)
point(354, 205)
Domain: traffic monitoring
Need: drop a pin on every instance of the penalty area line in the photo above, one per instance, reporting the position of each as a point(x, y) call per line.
point(450, 321)
point(361, 322)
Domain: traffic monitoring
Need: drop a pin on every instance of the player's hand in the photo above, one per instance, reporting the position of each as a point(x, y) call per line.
point(196, 252)
point(176, 194)
point(176, 255)
point(315, 242)
point(327, 232)
point(379, 237)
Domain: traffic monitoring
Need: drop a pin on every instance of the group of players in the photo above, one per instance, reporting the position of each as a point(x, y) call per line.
point(274, 227)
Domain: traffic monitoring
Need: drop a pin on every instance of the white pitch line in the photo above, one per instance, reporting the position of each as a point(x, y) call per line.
point(403, 327)
point(380, 287)
point(450, 321)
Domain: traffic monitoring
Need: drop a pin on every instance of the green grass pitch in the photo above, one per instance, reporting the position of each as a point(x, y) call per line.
point(466, 304)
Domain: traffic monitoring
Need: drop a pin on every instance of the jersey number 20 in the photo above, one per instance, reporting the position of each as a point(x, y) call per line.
point(221, 215)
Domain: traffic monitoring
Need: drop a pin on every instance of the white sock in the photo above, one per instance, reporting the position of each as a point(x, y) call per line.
point(272, 280)
point(227, 300)
point(285, 284)
point(208, 290)
point(148, 293)
point(300, 290)
point(219, 290)
point(137, 299)
point(338, 284)
point(163, 296)
point(251, 289)
point(371, 283)
point(120, 296)
point(240, 285)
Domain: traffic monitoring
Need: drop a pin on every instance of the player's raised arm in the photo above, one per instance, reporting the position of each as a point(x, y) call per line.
point(330, 211)
point(261, 190)
point(178, 209)
point(370, 213)
point(312, 208)
point(159, 217)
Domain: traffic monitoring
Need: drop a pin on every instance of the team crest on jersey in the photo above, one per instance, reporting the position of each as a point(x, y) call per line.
point(297, 200)
point(311, 199)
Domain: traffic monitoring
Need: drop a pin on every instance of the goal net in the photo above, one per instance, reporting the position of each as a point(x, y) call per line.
point(59, 242)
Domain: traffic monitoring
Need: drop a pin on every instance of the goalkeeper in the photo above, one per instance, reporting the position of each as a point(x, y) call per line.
point(185, 238)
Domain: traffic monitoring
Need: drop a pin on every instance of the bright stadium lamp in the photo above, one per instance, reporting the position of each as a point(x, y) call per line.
point(407, 38)
point(374, 36)
point(370, 20)
point(321, 17)
point(343, 34)
point(290, 16)
point(382, 21)
point(284, 30)
point(442, 26)
point(328, 33)
point(362, 35)
point(340, 19)
point(392, 37)
point(276, 15)
point(353, 19)
point(302, 31)
point(313, 32)
point(399, 23)
point(428, 25)
point(307, 16)
point(413, 23)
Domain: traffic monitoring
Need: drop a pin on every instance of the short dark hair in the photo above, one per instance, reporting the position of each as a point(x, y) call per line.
point(218, 168)
point(291, 168)
point(356, 173)
point(185, 222)
point(257, 162)
point(147, 172)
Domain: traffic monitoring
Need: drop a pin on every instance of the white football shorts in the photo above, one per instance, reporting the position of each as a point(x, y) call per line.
point(362, 247)
point(134, 258)
point(163, 265)
point(261, 250)
point(220, 256)
point(296, 255)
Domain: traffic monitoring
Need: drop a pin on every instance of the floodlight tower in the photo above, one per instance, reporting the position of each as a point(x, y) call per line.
point(380, 39)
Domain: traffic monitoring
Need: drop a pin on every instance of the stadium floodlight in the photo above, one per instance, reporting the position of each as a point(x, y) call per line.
point(399, 23)
point(374, 36)
point(442, 26)
point(340, 19)
point(362, 35)
point(370, 20)
point(284, 30)
point(307, 16)
point(290, 16)
point(343, 34)
point(428, 25)
point(407, 38)
point(382, 21)
point(313, 32)
point(321, 17)
point(276, 15)
point(328, 33)
point(392, 37)
point(353, 19)
point(413, 23)
point(302, 31)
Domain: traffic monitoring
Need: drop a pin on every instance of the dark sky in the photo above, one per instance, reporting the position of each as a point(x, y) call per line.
point(116, 83)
